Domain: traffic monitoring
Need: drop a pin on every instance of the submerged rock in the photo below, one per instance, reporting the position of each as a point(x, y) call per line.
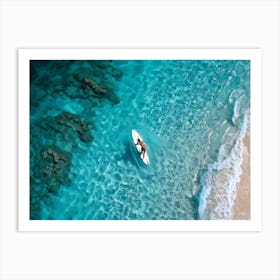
point(68, 120)
point(99, 90)
point(93, 86)
point(81, 73)
point(65, 131)
point(55, 167)
point(51, 169)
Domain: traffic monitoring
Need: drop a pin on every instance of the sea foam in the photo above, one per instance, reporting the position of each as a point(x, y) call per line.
point(219, 182)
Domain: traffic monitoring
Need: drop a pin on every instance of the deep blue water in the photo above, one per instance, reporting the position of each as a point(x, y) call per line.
point(83, 164)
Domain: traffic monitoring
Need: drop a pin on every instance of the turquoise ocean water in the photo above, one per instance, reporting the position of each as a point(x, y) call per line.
point(192, 114)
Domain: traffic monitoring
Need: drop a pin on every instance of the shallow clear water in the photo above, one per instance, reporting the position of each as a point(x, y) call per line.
point(191, 114)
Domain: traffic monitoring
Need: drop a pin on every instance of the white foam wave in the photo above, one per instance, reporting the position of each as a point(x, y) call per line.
point(220, 181)
point(236, 97)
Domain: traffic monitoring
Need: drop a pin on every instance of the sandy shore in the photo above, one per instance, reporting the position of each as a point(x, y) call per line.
point(242, 203)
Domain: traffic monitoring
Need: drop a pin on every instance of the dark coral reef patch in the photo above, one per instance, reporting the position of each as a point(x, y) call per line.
point(93, 87)
point(67, 121)
point(56, 132)
point(51, 170)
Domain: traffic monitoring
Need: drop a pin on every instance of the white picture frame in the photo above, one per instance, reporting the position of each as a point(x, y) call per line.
point(255, 221)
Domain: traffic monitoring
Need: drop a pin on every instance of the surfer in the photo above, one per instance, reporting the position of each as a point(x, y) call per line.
point(143, 146)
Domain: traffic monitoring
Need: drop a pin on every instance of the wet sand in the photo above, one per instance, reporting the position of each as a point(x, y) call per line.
point(242, 203)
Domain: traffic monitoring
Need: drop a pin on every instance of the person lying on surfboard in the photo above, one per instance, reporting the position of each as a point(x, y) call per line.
point(143, 147)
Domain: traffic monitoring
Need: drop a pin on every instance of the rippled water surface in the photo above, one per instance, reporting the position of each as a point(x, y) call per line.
point(83, 164)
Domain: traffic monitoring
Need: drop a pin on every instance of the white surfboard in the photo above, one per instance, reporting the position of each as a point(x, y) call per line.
point(135, 137)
